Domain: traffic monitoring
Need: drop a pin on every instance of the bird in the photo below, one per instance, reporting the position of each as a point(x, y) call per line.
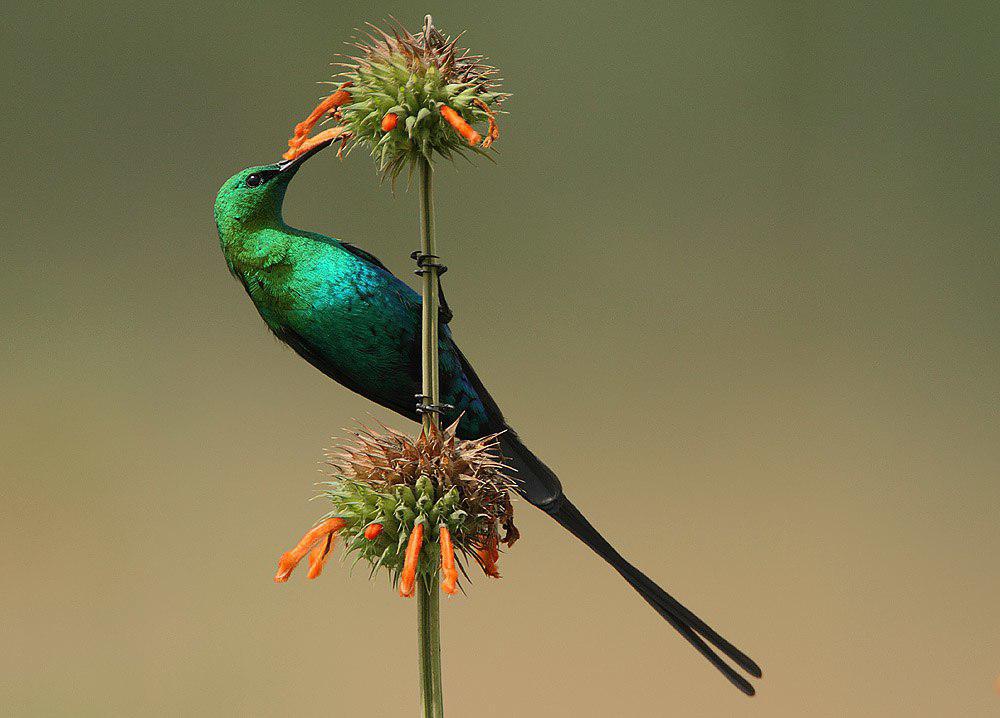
point(339, 308)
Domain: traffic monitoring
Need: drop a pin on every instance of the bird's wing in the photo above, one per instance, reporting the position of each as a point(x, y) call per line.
point(494, 416)
point(446, 313)
point(366, 256)
point(401, 404)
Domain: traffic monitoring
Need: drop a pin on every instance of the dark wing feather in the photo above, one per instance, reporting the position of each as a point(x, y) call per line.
point(493, 413)
point(307, 351)
point(445, 312)
point(363, 255)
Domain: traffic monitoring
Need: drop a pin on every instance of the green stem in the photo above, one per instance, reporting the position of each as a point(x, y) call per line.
point(429, 291)
point(428, 608)
point(429, 638)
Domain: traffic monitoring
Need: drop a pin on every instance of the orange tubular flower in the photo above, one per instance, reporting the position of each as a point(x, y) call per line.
point(331, 134)
point(461, 126)
point(409, 575)
point(372, 531)
point(321, 534)
point(450, 583)
point(493, 133)
point(318, 556)
point(389, 121)
point(488, 555)
point(302, 130)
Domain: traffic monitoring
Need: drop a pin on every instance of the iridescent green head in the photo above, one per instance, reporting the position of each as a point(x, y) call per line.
point(252, 198)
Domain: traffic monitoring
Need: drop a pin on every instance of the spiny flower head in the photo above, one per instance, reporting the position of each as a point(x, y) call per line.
point(409, 97)
point(410, 505)
point(417, 95)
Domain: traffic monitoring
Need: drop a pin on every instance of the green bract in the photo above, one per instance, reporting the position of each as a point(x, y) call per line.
point(398, 510)
point(398, 482)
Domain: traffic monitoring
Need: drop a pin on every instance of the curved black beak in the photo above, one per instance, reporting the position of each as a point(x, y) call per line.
point(292, 165)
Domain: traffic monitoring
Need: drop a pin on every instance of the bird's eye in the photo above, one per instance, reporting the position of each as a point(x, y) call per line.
point(255, 180)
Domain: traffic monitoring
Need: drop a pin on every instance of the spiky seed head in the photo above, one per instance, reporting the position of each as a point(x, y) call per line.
point(389, 479)
point(399, 82)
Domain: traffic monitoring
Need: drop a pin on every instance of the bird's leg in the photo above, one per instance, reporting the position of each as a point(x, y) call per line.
point(444, 311)
point(424, 405)
point(329, 105)
point(317, 542)
point(427, 263)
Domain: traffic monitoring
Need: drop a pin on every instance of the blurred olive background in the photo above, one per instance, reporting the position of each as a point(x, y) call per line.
point(735, 277)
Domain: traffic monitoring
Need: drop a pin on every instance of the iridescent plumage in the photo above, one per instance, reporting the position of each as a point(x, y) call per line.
point(345, 313)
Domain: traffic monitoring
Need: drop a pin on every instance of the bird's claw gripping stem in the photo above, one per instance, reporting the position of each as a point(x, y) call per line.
point(426, 263)
point(424, 405)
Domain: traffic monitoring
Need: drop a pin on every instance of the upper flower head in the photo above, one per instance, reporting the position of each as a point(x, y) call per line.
point(416, 96)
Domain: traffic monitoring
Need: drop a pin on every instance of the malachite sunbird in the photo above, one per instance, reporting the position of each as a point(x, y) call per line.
point(342, 311)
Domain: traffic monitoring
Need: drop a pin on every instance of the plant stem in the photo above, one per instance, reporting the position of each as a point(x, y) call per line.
point(428, 608)
point(429, 318)
point(429, 637)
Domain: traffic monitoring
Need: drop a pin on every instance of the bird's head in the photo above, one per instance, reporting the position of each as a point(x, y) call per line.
point(252, 198)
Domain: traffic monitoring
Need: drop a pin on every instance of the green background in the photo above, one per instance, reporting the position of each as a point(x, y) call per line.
point(735, 278)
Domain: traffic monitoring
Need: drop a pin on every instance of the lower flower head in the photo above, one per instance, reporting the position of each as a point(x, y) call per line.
point(414, 506)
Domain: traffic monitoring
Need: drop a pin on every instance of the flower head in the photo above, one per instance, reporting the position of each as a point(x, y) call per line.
point(413, 506)
point(409, 97)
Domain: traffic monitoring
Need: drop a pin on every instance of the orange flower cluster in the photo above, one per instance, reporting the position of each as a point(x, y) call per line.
point(318, 544)
point(301, 142)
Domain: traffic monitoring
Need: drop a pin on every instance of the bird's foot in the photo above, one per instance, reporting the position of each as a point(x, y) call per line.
point(318, 543)
point(426, 263)
point(425, 406)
